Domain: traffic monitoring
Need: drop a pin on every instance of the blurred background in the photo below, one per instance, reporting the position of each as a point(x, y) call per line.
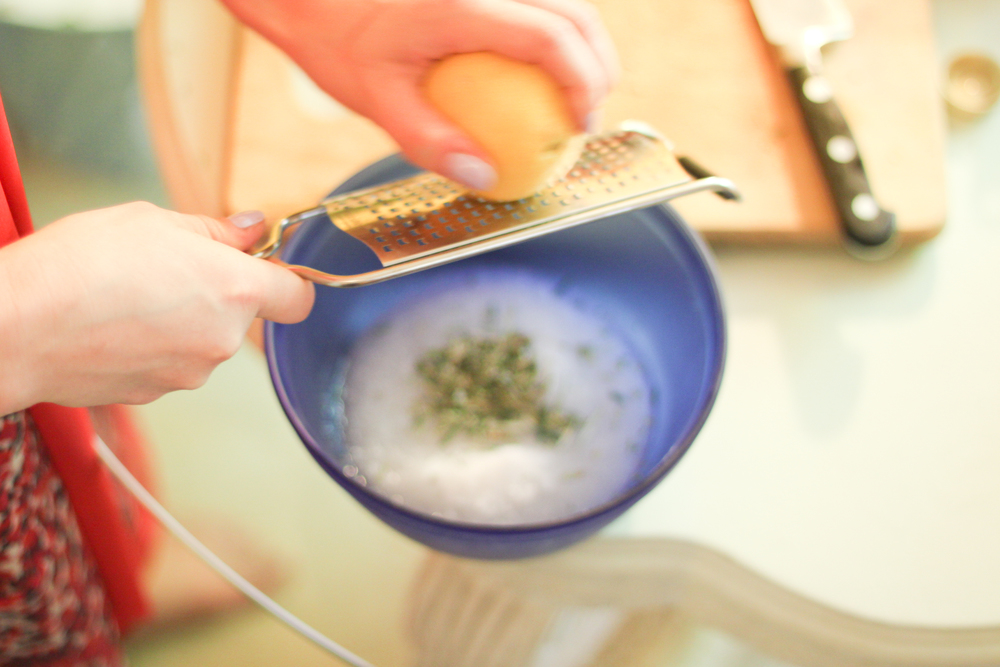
point(69, 84)
point(68, 73)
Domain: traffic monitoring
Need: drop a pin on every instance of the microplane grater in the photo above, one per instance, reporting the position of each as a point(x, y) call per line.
point(427, 220)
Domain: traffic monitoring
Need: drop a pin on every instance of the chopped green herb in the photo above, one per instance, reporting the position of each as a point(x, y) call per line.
point(551, 424)
point(487, 387)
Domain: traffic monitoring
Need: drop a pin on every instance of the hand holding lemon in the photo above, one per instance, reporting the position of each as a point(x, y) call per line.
point(378, 59)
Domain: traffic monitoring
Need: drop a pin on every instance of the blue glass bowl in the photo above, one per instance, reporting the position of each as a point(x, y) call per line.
point(649, 272)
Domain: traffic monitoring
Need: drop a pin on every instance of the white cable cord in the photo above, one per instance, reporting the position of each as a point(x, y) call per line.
point(190, 541)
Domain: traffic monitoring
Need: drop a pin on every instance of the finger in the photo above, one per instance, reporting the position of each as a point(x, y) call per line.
point(426, 137)
point(284, 297)
point(587, 20)
point(240, 230)
point(535, 35)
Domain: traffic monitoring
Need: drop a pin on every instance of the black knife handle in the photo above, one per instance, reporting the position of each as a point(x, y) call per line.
point(863, 220)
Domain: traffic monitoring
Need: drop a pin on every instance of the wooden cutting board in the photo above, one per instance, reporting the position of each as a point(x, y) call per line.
point(702, 74)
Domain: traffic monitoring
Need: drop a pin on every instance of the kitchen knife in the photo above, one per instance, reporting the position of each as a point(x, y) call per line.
point(800, 29)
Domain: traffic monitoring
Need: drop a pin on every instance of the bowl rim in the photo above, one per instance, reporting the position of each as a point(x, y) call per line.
point(619, 501)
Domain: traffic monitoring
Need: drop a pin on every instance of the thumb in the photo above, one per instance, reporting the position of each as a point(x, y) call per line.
point(239, 230)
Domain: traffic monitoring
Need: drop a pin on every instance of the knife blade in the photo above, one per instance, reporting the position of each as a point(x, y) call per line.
point(799, 29)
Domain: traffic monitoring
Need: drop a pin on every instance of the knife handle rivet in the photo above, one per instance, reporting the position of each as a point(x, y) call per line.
point(865, 207)
point(841, 149)
point(817, 89)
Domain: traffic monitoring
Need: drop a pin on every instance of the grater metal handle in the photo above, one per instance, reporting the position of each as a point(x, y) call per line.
point(269, 244)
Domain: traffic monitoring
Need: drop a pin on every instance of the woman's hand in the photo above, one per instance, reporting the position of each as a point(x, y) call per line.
point(371, 55)
point(124, 304)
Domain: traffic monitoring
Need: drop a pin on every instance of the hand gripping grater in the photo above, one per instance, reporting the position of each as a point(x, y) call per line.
point(426, 220)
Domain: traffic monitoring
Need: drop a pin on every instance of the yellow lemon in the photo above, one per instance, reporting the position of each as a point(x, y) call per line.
point(515, 111)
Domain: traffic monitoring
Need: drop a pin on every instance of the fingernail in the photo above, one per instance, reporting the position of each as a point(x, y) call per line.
point(246, 219)
point(593, 122)
point(470, 171)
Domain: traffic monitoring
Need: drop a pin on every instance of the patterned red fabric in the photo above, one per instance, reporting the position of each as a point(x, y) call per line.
point(116, 531)
point(53, 609)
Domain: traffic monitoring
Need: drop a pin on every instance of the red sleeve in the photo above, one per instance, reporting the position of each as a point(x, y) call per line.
point(15, 219)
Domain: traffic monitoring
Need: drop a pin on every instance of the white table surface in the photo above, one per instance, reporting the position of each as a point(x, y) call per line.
point(853, 455)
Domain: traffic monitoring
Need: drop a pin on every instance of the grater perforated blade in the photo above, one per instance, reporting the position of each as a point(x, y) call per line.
point(427, 220)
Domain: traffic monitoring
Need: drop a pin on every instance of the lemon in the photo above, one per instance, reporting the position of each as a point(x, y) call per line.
point(515, 111)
